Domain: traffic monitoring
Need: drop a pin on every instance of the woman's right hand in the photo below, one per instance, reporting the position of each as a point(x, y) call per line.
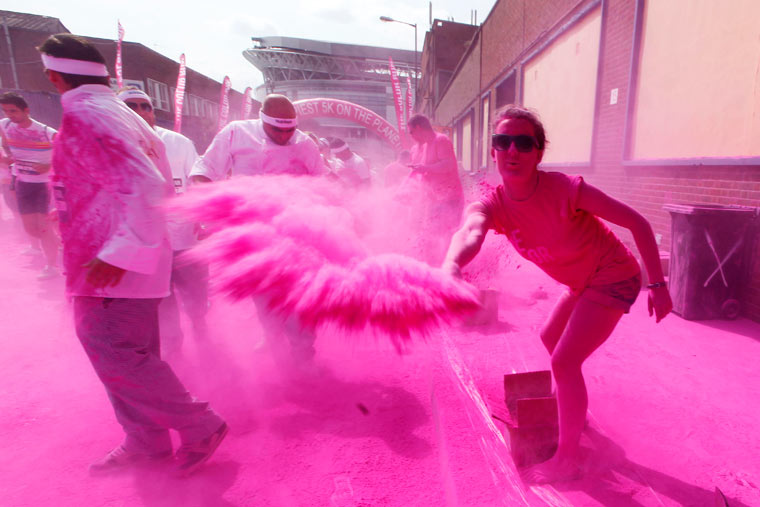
point(659, 302)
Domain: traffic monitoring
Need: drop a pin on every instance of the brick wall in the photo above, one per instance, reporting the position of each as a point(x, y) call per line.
point(27, 59)
point(462, 91)
point(515, 28)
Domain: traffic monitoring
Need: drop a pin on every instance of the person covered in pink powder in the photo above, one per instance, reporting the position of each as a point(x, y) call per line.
point(188, 278)
point(110, 181)
point(555, 221)
point(271, 144)
point(434, 163)
point(351, 169)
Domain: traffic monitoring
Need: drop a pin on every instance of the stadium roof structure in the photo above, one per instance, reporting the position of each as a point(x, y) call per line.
point(283, 59)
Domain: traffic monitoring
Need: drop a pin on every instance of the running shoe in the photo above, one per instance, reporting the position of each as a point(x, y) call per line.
point(191, 456)
point(121, 459)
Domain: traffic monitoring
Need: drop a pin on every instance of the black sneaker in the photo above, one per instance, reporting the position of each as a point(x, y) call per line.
point(191, 456)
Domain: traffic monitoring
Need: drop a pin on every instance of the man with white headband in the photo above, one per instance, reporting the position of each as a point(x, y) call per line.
point(349, 167)
point(270, 145)
point(110, 181)
point(188, 278)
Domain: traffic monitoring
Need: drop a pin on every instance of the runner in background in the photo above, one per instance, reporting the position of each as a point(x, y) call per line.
point(189, 279)
point(350, 168)
point(271, 144)
point(30, 145)
point(434, 163)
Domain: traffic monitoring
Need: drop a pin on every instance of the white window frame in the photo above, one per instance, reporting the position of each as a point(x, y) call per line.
point(159, 94)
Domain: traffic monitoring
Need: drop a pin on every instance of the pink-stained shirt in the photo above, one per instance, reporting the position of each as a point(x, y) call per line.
point(243, 148)
point(442, 184)
point(111, 178)
point(571, 245)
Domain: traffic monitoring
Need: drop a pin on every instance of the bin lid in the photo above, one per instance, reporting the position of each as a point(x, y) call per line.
point(709, 209)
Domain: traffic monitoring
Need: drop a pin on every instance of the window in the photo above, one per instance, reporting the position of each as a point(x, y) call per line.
point(485, 123)
point(211, 109)
point(159, 95)
point(194, 105)
point(467, 142)
point(698, 89)
point(506, 91)
point(560, 83)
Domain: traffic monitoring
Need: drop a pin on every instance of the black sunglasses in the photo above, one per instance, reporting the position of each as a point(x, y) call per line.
point(523, 143)
point(134, 106)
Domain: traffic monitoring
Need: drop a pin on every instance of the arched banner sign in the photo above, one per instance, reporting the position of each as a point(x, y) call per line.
point(334, 108)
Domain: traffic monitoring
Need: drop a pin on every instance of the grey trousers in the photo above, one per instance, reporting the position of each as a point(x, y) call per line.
point(189, 280)
point(301, 340)
point(120, 336)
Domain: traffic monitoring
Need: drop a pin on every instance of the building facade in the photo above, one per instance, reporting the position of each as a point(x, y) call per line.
point(654, 102)
point(21, 71)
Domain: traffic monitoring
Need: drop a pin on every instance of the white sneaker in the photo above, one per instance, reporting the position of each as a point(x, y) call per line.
point(47, 273)
point(30, 250)
point(121, 459)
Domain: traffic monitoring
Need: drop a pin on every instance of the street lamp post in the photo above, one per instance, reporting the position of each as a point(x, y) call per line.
point(387, 19)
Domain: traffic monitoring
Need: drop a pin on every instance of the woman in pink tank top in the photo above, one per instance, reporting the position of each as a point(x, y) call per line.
point(553, 220)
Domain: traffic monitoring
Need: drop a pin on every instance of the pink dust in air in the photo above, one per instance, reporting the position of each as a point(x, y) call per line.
point(310, 249)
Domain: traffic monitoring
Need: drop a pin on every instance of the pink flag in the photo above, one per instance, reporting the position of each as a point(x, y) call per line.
point(119, 75)
point(398, 101)
point(247, 103)
point(179, 94)
point(224, 103)
point(409, 99)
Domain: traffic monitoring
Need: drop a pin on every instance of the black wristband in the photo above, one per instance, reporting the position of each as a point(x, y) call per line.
point(656, 285)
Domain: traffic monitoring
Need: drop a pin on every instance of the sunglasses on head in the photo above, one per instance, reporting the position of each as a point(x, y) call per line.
point(523, 143)
point(134, 106)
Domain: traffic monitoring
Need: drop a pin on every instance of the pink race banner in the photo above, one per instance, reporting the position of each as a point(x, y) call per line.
point(247, 103)
point(409, 100)
point(179, 94)
point(119, 74)
point(397, 100)
point(334, 108)
point(224, 103)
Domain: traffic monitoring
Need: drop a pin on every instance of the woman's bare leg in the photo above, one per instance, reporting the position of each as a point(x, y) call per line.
point(590, 324)
point(555, 325)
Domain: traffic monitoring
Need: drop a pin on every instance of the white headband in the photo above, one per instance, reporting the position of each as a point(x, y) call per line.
point(338, 149)
point(77, 67)
point(134, 94)
point(285, 123)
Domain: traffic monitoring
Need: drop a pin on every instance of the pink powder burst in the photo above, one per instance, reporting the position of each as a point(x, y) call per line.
point(293, 241)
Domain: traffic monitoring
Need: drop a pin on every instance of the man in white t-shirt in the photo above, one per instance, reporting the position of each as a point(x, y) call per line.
point(188, 278)
point(350, 168)
point(30, 145)
point(270, 145)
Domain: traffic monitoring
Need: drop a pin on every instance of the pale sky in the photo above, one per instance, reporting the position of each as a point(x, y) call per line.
point(213, 38)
